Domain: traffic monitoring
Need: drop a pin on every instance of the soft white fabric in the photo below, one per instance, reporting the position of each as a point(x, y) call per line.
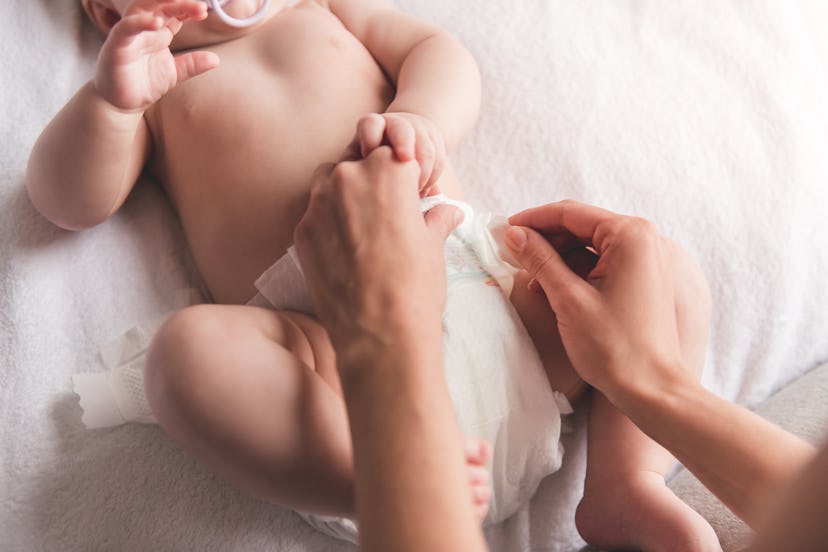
point(706, 116)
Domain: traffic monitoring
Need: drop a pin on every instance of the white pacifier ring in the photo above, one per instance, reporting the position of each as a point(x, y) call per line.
point(218, 7)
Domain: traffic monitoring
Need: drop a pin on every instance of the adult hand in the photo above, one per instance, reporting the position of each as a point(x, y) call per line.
point(374, 266)
point(618, 319)
point(374, 263)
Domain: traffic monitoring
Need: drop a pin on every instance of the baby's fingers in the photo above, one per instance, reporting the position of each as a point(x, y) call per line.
point(370, 132)
point(168, 8)
point(431, 153)
point(193, 64)
point(131, 26)
point(173, 12)
point(401, 136)
point(185, 9)
point(177, 13)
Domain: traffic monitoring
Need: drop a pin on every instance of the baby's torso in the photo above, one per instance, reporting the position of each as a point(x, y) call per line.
point(235, 148)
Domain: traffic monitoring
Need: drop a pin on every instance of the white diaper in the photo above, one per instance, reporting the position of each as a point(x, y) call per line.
point(494, 374)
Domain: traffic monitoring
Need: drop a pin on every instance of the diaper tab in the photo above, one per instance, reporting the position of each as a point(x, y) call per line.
point(283, 285)
point(97, 400)
point(485, 234)
point(117, 396)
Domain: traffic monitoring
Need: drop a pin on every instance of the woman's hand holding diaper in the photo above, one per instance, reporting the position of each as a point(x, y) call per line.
point(136, 66)
point(618, 324)
point(623, 326)
point(412, 138)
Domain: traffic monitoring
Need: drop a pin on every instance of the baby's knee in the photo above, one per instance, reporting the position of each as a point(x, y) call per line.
point(175, 356)
point(693, 292)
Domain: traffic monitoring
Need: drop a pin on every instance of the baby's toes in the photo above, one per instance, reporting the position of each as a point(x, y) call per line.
point(481, 491)
point(477, 450)
point(481, 494)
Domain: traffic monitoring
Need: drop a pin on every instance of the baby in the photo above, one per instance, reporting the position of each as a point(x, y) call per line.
point(233, 133)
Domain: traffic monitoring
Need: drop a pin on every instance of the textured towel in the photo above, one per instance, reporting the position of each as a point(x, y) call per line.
point(708, 117)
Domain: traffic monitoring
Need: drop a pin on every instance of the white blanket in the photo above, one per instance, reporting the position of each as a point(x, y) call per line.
point(708, 117)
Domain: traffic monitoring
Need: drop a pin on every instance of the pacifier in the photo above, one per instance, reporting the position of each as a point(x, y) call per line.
point(218, 7)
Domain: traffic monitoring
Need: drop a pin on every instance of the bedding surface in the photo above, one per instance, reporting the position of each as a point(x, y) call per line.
point(707, 117)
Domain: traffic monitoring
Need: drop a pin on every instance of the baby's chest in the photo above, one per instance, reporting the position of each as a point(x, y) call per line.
point(283, 100)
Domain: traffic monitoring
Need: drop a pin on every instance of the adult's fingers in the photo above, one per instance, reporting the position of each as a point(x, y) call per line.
point(321, 181)
point(322, 173)
point(544, 264)
point(441, 220)
point(568, 216)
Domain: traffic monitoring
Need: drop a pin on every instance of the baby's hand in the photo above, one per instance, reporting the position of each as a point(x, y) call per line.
point(135, 66)
point(411, 136)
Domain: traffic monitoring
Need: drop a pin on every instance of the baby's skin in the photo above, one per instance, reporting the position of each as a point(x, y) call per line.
point(232, 124)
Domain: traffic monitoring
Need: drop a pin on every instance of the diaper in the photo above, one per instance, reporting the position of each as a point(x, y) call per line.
point(494, 374)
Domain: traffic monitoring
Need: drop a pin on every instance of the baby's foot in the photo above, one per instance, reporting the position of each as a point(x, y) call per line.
point(641, 513)
point(477, 454)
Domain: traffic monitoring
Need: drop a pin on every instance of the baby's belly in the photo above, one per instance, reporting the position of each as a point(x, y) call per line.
point(242, 228)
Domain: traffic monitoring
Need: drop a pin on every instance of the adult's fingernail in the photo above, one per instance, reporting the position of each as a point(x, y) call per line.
point(516, 238)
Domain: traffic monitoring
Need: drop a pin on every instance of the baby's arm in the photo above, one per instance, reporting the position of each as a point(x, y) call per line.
point(88, 158)
point(435, 76)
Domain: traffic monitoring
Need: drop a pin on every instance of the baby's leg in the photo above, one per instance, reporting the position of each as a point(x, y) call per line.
point(255, 396)
point(542, 326)
point(626, 503)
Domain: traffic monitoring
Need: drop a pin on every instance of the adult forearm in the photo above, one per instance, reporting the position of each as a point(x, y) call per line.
point(440, 81)
point(742, 458)
point(85, 161)
point(797, 520)
point(412, 490)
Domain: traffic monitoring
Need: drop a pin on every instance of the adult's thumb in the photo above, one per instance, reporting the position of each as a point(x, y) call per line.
point(443, 219)
point(544, 264)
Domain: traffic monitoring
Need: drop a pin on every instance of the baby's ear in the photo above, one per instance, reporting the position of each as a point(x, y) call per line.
point(102, 14)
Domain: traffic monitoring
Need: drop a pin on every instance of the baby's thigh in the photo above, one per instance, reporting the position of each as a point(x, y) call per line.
point(254, 394)
point(229, 354)
point(230, 337)
point(542, 326)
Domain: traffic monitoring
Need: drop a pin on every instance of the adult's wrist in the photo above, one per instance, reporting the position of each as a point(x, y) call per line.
point(395, 352)
point(667, 387)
